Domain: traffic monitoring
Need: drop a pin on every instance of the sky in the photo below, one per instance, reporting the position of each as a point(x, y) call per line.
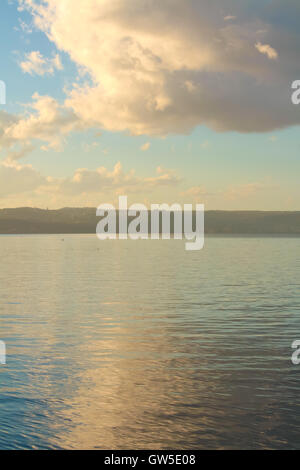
point(165, 101)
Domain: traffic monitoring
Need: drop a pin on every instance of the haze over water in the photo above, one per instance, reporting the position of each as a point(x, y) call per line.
point(142, 345)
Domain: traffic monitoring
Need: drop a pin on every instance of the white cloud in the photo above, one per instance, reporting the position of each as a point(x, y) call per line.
point(165, 67)
point(20, 183)
point(46, 121)
point(17, 179)
point(145, 147)
point(90, 147)
point(26, 28)
point(267, 50)
point(229, 18)
point(36, 63)
point(103, 179)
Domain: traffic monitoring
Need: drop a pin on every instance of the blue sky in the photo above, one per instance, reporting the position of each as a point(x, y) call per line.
point(226, 169)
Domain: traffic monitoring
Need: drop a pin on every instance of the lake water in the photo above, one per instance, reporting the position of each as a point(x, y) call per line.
point(142, 345)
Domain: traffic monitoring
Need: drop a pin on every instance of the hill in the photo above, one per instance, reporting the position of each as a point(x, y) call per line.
point(84, 220)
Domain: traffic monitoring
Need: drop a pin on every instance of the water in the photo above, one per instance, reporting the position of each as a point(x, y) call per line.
point(140, 345)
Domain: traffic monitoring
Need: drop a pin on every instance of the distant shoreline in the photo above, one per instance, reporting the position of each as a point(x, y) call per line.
point(29, 221)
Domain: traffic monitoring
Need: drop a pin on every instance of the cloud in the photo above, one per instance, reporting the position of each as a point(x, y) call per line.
point(195, 193)
point(244, 191)
point(26, 28)
point(103, 179)
point(267, 50)
point(230, 197)
point(20, 183)
point(17, 179)
point(35, 63)
point(165, 177)
point(166, 67)
point(45, 120)
point(145, 147)
point(90, 147)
